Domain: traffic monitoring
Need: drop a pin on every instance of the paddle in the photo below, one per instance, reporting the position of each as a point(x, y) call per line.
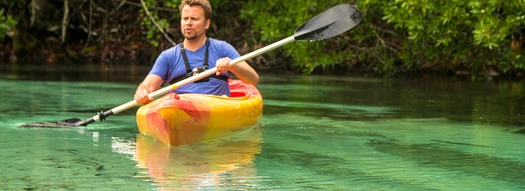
point(329, 23)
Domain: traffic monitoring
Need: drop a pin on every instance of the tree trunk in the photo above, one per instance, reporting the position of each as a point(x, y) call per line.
point(38, 14)
point(65, 22)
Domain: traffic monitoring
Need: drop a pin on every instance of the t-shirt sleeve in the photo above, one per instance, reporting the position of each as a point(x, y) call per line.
point(230, 51)
point(161, 66)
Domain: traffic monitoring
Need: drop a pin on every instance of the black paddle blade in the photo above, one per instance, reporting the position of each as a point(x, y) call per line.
point(67, 123)
point(329, 23)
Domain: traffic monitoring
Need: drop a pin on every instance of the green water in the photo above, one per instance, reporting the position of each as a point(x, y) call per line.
point(317, 133)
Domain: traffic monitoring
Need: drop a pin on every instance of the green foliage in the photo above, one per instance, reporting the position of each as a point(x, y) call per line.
point(397, 36)
point(6, 22)
point(166, 20)
point(151, 31)
point(274, 20)
point(474, 35)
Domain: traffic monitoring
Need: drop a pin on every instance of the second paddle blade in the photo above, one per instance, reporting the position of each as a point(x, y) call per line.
point(67, 123)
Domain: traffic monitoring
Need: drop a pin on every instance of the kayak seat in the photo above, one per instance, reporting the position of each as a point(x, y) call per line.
point(237, 94)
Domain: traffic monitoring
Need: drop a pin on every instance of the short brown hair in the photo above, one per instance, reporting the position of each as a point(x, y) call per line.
point(203, 3)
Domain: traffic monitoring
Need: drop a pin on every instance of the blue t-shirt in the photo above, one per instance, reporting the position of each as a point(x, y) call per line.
point(170, 65)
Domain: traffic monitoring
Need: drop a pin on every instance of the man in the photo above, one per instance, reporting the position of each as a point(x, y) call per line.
point(197, 51)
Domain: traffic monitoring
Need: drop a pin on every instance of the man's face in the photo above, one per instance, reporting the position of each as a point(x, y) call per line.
point(193, 23)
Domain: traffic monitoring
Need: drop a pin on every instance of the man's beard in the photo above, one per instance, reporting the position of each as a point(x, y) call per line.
point(191, 36)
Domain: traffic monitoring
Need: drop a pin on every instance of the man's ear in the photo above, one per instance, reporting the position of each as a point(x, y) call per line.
point(208, 22)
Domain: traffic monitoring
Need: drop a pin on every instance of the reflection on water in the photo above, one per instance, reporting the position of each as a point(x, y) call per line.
point(317, 133)
point(389, 154)
point(225, 164)
point(433, 156)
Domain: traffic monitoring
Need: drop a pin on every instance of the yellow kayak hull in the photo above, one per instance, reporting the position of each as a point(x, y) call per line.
point(189, 118)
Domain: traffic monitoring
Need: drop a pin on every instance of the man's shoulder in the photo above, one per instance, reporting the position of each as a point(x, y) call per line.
point(220, 43)
point(171, 49)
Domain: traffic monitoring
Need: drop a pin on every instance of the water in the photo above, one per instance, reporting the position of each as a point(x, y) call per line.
point(317, 133)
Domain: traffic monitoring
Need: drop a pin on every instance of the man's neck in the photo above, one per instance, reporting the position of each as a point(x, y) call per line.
point(194, 44)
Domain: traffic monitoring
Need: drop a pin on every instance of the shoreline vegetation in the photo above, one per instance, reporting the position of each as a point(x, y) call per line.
point(471, 39)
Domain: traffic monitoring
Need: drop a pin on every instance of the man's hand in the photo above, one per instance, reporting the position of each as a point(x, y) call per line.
point(141, 96)
point(223, 65)
point(242, 70)
point(150, 84)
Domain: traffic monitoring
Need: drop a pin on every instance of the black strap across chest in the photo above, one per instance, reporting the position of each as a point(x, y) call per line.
point(185, 57)
point(205, 66)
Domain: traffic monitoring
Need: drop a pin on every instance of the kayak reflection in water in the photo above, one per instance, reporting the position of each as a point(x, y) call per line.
point(205, 164)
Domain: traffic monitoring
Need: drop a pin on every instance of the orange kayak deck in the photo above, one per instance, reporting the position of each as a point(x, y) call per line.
point(189, 118)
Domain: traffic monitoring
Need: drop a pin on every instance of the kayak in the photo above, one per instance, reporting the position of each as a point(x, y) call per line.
point(179, 119)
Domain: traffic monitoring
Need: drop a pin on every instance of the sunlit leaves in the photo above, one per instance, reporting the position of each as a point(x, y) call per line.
point(276, 19)
point(473, 33)
point(6, 22)
point(151, 31)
